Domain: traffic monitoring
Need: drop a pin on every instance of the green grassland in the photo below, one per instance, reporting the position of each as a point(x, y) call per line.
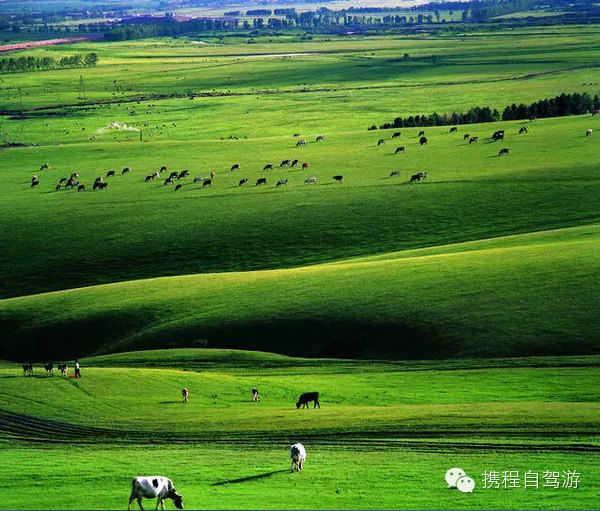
point(251, 264)
point(384, 437)
point(450, 322)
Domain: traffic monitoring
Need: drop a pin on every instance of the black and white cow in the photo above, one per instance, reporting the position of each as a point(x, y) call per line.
point(154, 487)
point(298, 456)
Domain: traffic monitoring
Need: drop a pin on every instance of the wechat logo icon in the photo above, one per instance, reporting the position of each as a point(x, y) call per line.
point(457, 478)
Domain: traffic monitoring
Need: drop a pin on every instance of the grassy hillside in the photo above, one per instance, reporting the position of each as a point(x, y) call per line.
point(503, 297)
point(384, 437)
point(250, 266)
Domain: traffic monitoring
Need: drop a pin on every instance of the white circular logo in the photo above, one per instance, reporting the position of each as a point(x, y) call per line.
point(453, 475)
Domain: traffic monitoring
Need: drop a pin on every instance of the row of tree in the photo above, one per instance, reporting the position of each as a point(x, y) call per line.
point(24, 64)
point(559, 106)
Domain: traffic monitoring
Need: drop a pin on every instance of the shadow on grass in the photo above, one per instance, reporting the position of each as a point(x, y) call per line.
point(172, 402)
point(264, 475)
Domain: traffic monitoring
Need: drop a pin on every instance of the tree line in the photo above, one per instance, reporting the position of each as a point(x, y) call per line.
point(24, 64)
point(558, 106)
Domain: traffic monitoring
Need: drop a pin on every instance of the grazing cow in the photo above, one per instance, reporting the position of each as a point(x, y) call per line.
point(396, 134)
point(304, 166)
point(197, 179)
point(74, 175)
point(268, 166)
point(213, 174)
point(183, 174)
point(155, 174)
point(423, 141)
point(453, 129)
point(306, 398)
point(255, 395)
point(421, 134)
point(298, 456)
point(281, 182)
point(49, 368)
point(380, 141)
point(242, 182)
point(148, 178)
point(45, 166)
point(498, 135)
point(319, 138)
point(58, 188)
point(523, 130)
point(163, 168)
point(466, 136)
point(178, 187)
point(174, 175)
point(72, 183)
point(168, 181)
point(418, 177)
point(126, 170)
point(62, 180)
point(588, 132)
point(235, 166)
point(310, 180)
point(473, 140)
point(399, 149)
point(63, 368)
point(395, 173)
point(185, 393)
point(284, 163)
point(81, 188)
point(35, 181)
point(110, 173)
point(261, 181)
point(300, 142)
point(294, 163)
point(154, 487)
point(100, 185)
point(296, 134)
point(339, 178)
point(28, 369)
point(206, 182)
point(503, 151)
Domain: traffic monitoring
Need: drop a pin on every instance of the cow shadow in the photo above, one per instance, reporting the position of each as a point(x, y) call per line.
point(172, 402)
point(246, 479)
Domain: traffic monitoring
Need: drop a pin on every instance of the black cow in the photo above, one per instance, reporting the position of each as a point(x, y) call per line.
point(423, 140)
point(338, 178)
point(35, 182)
point(174, 175)
point(503, 152)
point(319, 138)
point(100, 185)
point(178, 187)
point(466, 136)
point(235, 166)
point(242, 182)
point(206, 182)
point(148, 178)
point(399, 150)
point(381, 141)
point(261, 181)
point(523, 130)
point(421, 134)
point(300, 142)
point(57, 188)
point(294, 163)
point(284, 163)
point(126, 170)
point(168, 181)
point(49, 367)
point(453, 129)
point(498, 135)
point(395, 173)
point(396, 134)
point(473, 139)
point(81, 188)
point(62, 180)
point(268, 166)
point(111, 173)
point(183, 174)
point(418, 177)
point(306, 398)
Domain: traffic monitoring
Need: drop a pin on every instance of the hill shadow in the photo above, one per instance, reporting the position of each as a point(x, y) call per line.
point(264, 475)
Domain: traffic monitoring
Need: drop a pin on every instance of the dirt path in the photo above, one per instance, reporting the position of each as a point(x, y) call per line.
point(46, 42)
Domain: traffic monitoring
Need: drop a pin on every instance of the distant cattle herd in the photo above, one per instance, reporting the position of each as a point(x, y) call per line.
point(178, 178)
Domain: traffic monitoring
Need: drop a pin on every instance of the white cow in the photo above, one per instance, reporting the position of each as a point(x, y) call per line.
point(298, 456)
point(154, 487)
point(588, 132)
point(310, 180)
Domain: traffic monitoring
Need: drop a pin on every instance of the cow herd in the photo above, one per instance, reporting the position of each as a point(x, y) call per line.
point(178, 178)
